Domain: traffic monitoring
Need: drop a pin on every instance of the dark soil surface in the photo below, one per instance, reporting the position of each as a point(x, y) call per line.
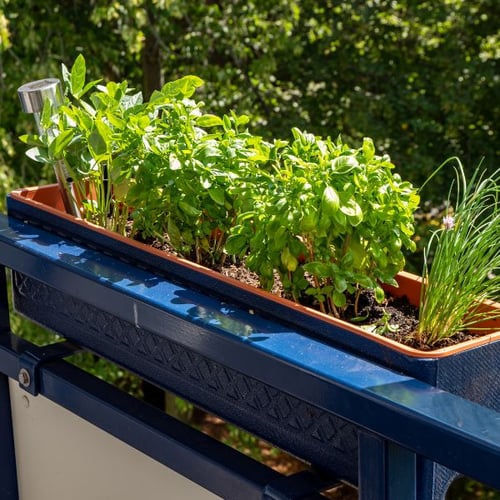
point(396, 318)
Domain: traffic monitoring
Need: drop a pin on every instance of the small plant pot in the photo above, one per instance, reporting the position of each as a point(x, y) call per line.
point(470, 369)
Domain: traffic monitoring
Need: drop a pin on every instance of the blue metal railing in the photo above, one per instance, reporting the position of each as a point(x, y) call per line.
point(301, 394)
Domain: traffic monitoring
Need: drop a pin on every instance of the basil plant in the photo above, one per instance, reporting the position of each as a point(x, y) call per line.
point(328, 220)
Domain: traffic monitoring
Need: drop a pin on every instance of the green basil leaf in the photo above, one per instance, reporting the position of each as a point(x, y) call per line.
point(209, 121)
point(217, 195)
point(78, 71)
point(38, 154)
point(353, 212)
point(368, 149)
point(236, 244)
point(189, 209)
point(60, 143)
point(330, 200)
point(309, 222)
point(339, 299)
point(97, 144)
point(379, 294)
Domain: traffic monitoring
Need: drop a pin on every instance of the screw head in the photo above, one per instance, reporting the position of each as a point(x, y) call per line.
point(24, 377)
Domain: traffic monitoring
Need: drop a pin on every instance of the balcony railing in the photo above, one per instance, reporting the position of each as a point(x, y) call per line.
point(351, 419)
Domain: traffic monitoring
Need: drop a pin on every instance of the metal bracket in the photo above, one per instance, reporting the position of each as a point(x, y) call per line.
point(31, 361)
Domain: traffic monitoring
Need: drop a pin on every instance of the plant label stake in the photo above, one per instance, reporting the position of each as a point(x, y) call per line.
point(33, 96)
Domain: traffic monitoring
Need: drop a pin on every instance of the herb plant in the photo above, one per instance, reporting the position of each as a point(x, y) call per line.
point(465, 267)
point(192, 171)
point(329, 219)
point(162, 163)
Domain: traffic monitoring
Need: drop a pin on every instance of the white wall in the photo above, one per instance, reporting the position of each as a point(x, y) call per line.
point(60, 456)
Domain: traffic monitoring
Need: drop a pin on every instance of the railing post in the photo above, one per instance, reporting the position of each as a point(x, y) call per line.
point(4, 303)
point(8, 473)
point(386, 471)
point(402, 472)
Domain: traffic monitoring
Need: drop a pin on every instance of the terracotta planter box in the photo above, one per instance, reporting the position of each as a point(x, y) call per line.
point(470, 370)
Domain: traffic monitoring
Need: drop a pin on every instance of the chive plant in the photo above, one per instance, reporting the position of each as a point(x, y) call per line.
point(465, 267)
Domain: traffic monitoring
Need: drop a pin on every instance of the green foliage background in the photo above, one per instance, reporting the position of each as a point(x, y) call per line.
point(420, 78)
